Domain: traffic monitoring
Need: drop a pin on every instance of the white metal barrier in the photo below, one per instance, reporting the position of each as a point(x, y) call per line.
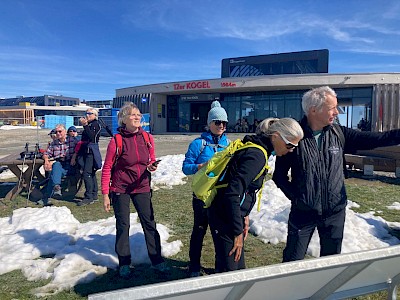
point(332, 277)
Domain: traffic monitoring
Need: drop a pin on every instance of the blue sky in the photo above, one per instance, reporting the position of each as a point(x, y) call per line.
point(87, 49)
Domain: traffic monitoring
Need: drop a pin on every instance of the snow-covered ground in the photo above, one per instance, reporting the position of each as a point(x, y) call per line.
point(81, 251)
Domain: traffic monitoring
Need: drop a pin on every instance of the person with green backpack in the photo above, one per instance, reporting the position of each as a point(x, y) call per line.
point(199, 153)
point(239, 184)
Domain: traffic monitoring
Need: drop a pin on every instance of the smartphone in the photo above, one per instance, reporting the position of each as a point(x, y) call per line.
point(156, 162)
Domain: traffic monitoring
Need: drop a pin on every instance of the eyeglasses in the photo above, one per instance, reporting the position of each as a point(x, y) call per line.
point(218, 122)
point(89, 113)
point(135, 115)
point(289, 145)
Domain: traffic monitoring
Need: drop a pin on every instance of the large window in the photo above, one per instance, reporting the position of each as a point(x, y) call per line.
point(250, 108)
point(189, 113)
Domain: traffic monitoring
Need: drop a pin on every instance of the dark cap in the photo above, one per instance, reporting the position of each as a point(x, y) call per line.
point(53, 131)
point(72, 128)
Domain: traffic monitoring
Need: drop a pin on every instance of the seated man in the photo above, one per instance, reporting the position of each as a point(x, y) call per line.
point(61, 150)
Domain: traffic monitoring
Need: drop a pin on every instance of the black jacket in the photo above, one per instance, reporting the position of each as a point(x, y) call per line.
point(317, 179)
point(91, 132)
point(234, 202)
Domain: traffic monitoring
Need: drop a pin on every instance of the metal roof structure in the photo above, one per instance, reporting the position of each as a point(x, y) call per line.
point(331, 277)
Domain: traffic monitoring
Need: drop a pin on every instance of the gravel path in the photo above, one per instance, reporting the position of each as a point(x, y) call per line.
point(13, 141)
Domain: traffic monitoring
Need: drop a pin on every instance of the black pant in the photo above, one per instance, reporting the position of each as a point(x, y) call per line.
point(89, 177)
point(200, 225)
point(223, 239)
point(301, 227)
point(144, 208)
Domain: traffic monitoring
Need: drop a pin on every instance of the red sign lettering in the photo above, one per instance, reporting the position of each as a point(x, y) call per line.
point(228, 84)
point(192, 85)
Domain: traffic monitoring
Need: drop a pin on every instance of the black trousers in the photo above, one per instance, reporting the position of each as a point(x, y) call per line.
point(223, 239)
point(200, 225)
point(144, 208)
point(89, 177)
point(301, 227)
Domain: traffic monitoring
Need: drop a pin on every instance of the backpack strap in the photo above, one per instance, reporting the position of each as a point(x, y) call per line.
point(204, 143)
point(118, 147)
point(147, 139)
point(259, 193)
point(266, 167)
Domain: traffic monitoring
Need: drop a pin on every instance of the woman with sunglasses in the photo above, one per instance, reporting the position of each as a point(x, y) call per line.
point(199, 153)
point(89, 157)
point(229, 212)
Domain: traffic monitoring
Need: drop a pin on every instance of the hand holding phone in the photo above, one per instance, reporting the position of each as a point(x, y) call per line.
point(156, 162)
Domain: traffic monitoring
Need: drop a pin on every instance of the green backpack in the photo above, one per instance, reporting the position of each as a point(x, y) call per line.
point(207, 180)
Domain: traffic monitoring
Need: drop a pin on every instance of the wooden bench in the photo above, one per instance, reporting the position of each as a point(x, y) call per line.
point(24, 175)
point(386, 159)
point(30, 173)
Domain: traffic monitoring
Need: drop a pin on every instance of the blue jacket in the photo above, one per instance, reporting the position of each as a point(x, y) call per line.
point(201, 150)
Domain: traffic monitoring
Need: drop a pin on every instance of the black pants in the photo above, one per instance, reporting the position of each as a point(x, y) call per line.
point(200, 225)
point(223, 239)
point(301, 227)
point(144, 208)
point(89, 177)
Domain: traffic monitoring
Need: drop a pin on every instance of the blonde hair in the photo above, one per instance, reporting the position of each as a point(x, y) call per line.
point(125, 111)
point(286, 127)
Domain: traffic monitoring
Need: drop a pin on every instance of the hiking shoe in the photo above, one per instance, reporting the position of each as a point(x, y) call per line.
point(85, 201)
point(194, 274)
point(161, 267)
point(44, 202)
point(57, 191)
point(125, 271)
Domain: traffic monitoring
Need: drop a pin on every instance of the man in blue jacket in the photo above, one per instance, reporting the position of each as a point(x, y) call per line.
point(316, 188)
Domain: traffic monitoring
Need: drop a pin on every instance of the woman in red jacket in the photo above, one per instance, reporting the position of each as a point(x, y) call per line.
point(129, 175)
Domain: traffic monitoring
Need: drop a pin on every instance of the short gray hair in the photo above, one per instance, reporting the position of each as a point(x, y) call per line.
point(316, 98)
point(286, 127)
point(125, 111)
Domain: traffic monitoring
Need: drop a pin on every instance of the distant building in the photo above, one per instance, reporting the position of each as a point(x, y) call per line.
point(46, 100)
point(31, 110)
point(98, 103)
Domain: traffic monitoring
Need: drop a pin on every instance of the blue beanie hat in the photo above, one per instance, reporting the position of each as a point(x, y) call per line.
point(73, 128)
point(216, 113)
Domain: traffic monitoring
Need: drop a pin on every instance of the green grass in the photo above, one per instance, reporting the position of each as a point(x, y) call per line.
point(173, 208)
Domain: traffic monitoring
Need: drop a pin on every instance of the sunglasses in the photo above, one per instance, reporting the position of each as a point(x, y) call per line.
point(89, 113)
point(71, 131)
point(59, 131)
point(289, 145)
point(218, 122)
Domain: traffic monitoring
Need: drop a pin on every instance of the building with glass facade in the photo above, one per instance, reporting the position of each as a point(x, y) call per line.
point(183, 106)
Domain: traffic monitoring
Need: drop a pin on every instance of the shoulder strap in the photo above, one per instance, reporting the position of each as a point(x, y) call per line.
point(249, 145)
point(118, 148)
point(204, 143)
point(147, 139)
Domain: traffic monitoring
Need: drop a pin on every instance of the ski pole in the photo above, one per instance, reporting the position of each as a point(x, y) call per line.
point(33, 171)
point(19, 186)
